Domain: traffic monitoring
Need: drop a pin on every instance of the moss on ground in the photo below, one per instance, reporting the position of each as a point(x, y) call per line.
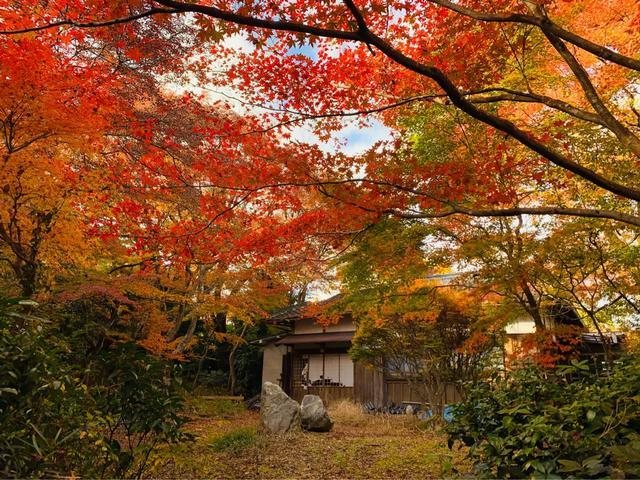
point(212, 407)
point(361, 446)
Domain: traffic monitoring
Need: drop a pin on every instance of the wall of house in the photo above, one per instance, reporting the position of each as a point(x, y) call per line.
point(521, 326)
point(309, 325)
point(272, 363)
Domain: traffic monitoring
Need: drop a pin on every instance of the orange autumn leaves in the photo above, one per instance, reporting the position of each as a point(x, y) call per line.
point(107, 161)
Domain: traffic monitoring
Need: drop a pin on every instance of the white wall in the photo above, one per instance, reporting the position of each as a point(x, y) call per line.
point(309, 325)
point(272, 363)
point(521, 326)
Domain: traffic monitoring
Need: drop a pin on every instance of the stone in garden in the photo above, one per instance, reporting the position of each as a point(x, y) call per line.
point(424, 414)
point(409, 410)
point(314, 416)
point(253, 403)
point(279, 412)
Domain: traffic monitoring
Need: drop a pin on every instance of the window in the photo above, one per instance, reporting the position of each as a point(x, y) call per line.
point(331, 369)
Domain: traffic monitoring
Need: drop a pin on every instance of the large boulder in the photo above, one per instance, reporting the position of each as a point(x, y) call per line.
point(314, 416)
point(279, 412)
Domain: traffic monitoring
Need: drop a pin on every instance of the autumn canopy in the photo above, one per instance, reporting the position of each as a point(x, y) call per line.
point(169, 150)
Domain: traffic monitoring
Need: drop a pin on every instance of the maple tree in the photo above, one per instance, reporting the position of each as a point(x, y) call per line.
point(498, 110)
point(437, 345)
point(52, 115)
point(172, 171)
point(508, 68)
point(96, 207)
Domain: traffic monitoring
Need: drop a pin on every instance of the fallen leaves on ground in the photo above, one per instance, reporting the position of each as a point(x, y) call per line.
point(360, 446)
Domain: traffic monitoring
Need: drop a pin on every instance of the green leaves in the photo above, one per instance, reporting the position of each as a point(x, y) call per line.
point(53, 424)
point(537, 424)
point(569, 466)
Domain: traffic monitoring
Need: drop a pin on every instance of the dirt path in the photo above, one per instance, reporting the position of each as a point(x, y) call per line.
point(360, 446)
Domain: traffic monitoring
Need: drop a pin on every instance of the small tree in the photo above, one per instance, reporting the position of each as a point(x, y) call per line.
point(429, 350)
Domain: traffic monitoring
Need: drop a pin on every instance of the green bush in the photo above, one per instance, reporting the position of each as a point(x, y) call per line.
point(43, 405)
point(61, 418)
point(564, 422)
point(235, 441)
point(138, 407)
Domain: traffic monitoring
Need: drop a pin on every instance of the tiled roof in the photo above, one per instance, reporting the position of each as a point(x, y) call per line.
point(316, 338)
point(295, 312)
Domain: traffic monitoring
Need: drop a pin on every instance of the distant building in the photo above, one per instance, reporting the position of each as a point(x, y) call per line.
point(310, 358)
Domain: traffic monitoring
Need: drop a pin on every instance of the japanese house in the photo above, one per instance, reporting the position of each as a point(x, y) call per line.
point(311, 358)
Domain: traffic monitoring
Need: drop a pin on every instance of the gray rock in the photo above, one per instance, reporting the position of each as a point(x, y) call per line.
point(279, 413)
point(409, 410)
point(314, 416)
point(423, 415)
point(253, 403)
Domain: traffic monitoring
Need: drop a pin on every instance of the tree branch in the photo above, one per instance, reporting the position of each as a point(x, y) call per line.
point(626, 137)
point(105, 23)
point(364, 35)
point(547, 26)
point(357, 15)
point(517, 96)
point(247, 21)
point(506, 126)
point(515, 211)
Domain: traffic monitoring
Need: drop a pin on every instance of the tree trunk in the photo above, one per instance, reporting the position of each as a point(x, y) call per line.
point(232, 361)
point(220, 322)
point(27, 275)
point(182, 346)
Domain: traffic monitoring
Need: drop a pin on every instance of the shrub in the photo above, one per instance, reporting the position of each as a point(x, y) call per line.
point(58, 418)
point(235, 441)
point(43, 405)
point(553, 422)
point(138, 408)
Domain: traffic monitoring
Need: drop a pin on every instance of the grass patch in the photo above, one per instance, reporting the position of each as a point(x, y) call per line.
point(212, 407)
point(235, 441)
point(352, 416)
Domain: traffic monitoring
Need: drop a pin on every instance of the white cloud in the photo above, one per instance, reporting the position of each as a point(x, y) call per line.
point(358, 139)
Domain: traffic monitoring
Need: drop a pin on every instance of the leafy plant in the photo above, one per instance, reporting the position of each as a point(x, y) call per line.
point(138, 408)
point(54, 423)
point(547, 423)
point(235, 441)
point(43, 405)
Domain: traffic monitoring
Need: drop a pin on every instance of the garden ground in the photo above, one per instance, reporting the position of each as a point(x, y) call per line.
point(228, 443)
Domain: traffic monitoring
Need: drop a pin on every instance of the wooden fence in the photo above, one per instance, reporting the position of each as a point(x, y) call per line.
point(370, 386)
point(398, 391)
